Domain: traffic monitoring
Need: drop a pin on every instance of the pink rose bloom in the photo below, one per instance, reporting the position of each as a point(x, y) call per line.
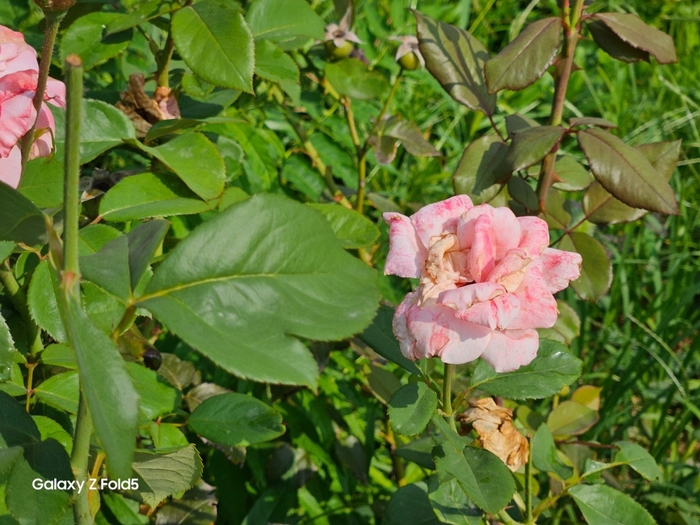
point(486, 282)
point(19, 71)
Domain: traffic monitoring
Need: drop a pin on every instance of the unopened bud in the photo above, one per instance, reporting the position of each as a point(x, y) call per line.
point(54, 6)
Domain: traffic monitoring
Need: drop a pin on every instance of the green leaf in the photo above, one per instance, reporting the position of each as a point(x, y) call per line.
point(102, 127)
point(633, 31)
point(162, 475)
point(544, 454)
point(104, 379)
point(278, 20)
point(522, 193)
point(626, 173)
point(276, 270)
point(109, 268)
point(570, 418)
point(380, 337)
point(411, 138)
point(50, 429)
point(84, 37)
point(602, 208)
point(531, 145)
point(552, 369)
point(123, 509)
point(42, 182)
point(384, 148)
point(567, 327)
point(93, 237)
point(603, 505)
point(483, 477)
point(596, 270)
point(158, 398)
point(150, 195)
point(410, 504)
point(573, 175)
point(613, 45)
point(215, 42)
point(351, 78)
point(7, 350)
point(60, 391)
point(453, 506)
point(456, 59)
point(299, 173)
point(526, 58)
point(17, 428)
point(481, 168)
point(639, 459)
point(411, 408)
point(271, 63)
point(383, 383)
point(591, 121)
point(197, 507)
point(43, 303)
point(516, 123)
point(352, 229)
point(103, 308)
point(555, 214)
point(46, 461)
point(6, 249)
point(20, 219)
point(236, 419)
point(143, 13)
point(59, 355)
point(193, 158)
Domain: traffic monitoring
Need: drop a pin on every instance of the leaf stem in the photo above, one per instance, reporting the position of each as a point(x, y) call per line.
point(53, 21)
point(447, 396)
point(571, 38)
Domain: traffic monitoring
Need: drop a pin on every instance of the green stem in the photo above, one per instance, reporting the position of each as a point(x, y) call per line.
point(571, 38)
point(528, 483)
point(19, 300)
point(53, 21)
point(163, 60)
point(447, 396)
point(505, 518)
point(71, 269)
point(385, 107)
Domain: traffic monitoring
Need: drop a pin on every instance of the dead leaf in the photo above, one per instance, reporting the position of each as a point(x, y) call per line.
point(496, 433)
point(143, 110)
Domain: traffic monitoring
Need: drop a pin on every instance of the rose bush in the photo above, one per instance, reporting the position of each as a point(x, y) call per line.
point(19, 73)
point(486, 282)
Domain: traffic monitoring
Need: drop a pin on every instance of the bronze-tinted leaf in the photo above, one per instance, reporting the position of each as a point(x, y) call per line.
point(480, 169)
point(523, 194)
point(555, 214)
point(613, 45)
point(633, 31)
point(591, 121)
point(516, 123)
point(456, 59)
point(411, 138)
point(531, 145)
point(526, 58)
point(596, 270)
point(626, 173)
point(384, 148)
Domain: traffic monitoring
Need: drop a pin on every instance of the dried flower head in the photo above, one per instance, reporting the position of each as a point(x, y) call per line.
point(408, 54)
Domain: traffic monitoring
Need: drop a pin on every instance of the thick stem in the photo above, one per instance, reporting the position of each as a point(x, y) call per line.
point(571, 38)
point(447, 396)
point(53, 21)
point(528, 484)
point(162, 75)
point(79, 463)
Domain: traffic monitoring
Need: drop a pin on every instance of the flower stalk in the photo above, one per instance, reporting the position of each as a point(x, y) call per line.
point(447, 396)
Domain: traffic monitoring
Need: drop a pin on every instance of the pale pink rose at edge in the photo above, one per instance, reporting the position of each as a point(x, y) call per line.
point(487, 280)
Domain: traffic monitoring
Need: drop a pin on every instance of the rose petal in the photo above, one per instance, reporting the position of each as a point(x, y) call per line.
point(486, 304)
point(11, 167)
point(559, 268)
point(510, 271)
point(45, 124)
point(55, 93)
point(467, 223)
point(506, 230)
point(538, 308)
point(399, 325)
point(441, 217)
point(534, 235)
point(510, 349)
point(406, 253)
point(483, 249)
point(463, 298)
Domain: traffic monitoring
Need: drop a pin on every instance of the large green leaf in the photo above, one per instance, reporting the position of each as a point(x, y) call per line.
point(456, 59)
point(107, 387)
point(7, 350)
point(601, 207)
point(60, 391)
point(150, 195)
point(243, 284)
point(236, 419)
point(195, 160)
point(42, 182)
point(16, 426)
point(352, 229)
point(552, 369)
point(279, 20)
point(215, 42)
point(570, 418)
point(410, 504)
point(572, 175)
point(158, 397)
point(596, 270)
point(380, 337)
point(613, 45)
point(481, 168)
point(43, 303)
point(351, 78)
point(143, 13)
point(411, 408)
point(164, 474)
point(625, 172)
point(530, 146)
point(20, 219)
point(452, 505)
point(603, 505)
point(544, 454)
point(526, 58)
point(84, 37)
point(639, 459)
point(271, 63)
point(634, 32)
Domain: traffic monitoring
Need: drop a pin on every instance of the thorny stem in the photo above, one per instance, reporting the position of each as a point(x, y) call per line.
point(447, 396)
point(571, 38)
point(53, 21)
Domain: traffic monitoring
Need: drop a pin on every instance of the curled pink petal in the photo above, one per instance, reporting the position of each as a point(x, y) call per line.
point(55, 93)
point(559, 268)
point(541, 311)
point(11, 167)
point(510, 349)
point(507, 229)
point(483, 250)
point(534, 236)
point(15, 54)
point(406, 252)
point(17, 111)
point(510, 271)
point(434, 219)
